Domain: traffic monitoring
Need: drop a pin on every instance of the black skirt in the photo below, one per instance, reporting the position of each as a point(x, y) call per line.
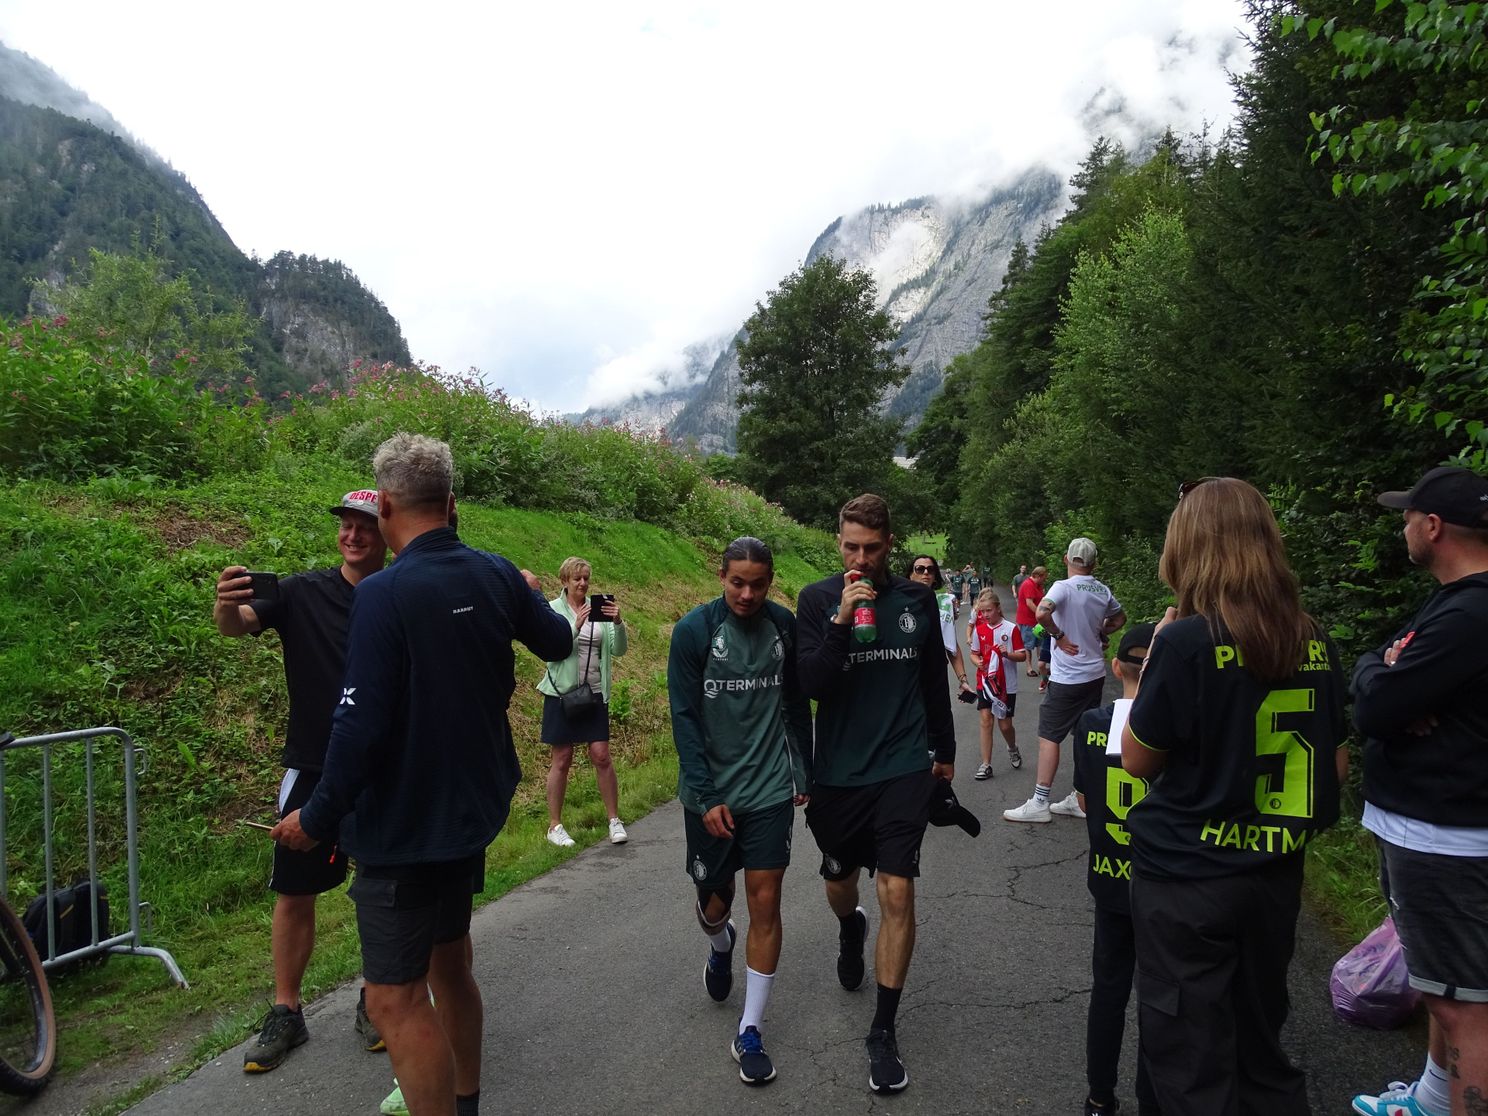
point(559, 729)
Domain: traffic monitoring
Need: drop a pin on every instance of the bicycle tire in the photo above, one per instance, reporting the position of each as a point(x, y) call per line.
point(28, 1025)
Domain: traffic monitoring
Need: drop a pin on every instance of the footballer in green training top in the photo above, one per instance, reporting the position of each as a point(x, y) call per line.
point(743, 735)
point(882, 706)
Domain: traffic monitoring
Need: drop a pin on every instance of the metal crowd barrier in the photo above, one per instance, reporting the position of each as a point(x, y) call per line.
point(130, 941)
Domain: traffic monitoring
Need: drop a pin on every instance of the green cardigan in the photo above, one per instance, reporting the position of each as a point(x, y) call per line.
point(559, 678)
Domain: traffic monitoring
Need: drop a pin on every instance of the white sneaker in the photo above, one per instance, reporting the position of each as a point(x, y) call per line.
point(1030, 811)
point(618, 836)
point(983, 772)
point(559, 836)
point(1069, 806)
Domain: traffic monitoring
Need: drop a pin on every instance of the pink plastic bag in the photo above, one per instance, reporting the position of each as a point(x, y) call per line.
point(1370, 985)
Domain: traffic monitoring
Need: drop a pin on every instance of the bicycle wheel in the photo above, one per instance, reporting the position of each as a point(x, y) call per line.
point(28, 1029)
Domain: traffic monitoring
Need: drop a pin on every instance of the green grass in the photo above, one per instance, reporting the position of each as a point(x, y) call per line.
point(106, 601)
point(933, 545)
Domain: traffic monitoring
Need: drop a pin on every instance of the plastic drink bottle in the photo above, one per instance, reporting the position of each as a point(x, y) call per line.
point(865, 617)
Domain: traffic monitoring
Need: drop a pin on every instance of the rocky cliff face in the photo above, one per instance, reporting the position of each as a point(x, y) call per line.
point(935, 261)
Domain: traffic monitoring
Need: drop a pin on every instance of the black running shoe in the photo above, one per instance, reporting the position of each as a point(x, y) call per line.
point(281, 1032)
point(755, 1067)
point(886, 1073)
point(850, 940)
point(1093, 1109)
point(718, 973)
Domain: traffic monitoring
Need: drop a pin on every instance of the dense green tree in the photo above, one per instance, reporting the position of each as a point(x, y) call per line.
point(1434, 148)
point(132, 303)
point(814, 368)
point(936, 443)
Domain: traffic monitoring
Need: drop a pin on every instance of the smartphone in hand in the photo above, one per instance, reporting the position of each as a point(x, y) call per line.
point(597, 601)
point(265, 586)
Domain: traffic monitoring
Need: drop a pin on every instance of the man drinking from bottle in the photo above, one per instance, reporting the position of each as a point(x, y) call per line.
point(870, 654)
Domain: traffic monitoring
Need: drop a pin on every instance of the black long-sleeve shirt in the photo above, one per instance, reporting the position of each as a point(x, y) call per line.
point(421, 766)
point(1442, 776)
point(882, 705)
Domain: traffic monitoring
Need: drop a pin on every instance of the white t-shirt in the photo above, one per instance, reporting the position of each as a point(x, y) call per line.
point(947, 621)
point(1008, 638)
point(1081, 606)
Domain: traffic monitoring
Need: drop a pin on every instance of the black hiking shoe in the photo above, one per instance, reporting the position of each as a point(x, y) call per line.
point(371, 1037)
point(281, 1032)
point(850, 939)
point(718, 973)
point(886, 1073)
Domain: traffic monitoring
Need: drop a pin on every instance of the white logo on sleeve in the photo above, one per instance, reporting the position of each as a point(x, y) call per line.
point(346, 695)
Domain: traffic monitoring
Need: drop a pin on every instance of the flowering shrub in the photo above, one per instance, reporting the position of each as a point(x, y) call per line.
point(72, 408)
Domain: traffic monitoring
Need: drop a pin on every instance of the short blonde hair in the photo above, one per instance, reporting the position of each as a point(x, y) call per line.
point(572, 566)
point(987, 598)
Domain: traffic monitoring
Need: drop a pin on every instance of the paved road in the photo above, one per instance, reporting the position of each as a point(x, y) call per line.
point(592, 978)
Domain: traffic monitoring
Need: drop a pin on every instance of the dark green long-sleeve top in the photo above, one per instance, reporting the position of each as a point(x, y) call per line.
point(740, 722)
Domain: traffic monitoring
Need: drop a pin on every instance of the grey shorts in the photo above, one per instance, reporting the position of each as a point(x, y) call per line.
point(1063, 705)
point(1440, 905)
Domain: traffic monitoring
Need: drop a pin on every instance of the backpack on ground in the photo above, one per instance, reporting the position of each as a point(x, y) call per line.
point(72, 920)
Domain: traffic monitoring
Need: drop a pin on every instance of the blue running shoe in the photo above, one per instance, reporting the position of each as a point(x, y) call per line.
point(718, 973)
point(748, 1049)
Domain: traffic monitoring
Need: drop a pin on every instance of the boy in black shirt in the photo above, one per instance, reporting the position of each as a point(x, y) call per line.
point(1106, 793)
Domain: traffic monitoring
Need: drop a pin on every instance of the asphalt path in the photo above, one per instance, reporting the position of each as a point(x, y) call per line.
point(592, 978)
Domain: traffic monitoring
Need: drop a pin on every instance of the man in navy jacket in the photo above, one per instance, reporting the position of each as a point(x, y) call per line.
point(421, 768)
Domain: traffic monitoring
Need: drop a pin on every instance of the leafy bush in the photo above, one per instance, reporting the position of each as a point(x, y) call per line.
point(71, 408)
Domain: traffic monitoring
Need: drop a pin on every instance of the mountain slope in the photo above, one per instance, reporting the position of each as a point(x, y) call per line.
point(72, 180)
point(936, 263)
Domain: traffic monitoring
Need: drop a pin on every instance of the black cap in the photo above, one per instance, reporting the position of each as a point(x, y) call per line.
point(1454, 495)
point(946, 809)
point(1137, 637)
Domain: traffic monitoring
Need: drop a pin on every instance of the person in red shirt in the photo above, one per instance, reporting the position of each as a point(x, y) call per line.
point(1030, 592)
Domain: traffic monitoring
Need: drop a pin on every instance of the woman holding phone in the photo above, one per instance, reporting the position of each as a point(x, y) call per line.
point(599, 637)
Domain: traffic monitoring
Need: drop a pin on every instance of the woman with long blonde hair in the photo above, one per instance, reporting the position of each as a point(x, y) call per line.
point(1237, 728)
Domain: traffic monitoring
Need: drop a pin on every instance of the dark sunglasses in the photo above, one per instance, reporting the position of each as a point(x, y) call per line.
point(1188, 486)
point(924, 569)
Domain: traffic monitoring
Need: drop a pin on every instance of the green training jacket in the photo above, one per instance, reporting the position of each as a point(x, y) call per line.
point(740, 722)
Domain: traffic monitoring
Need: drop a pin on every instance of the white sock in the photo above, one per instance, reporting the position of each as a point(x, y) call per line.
point(756, 996)
point(719, 938)
point(1041, 793)
point(1434, 1093)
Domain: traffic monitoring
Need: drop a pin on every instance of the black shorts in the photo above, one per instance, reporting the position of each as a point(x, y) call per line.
point(404, 911)
point(878, 827)
point(559, 729)
point(1440, 904)
point(1011, 701)
point(761, 840)
point(323, 868)
point(1063, 705)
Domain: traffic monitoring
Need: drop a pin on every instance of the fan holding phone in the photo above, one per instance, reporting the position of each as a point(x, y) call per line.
point(576, 696)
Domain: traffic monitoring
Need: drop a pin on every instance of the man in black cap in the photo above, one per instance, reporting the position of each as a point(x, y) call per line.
point(311, 612)
point(1421, 701)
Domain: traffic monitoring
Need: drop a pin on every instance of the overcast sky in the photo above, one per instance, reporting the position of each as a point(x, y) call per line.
point(563, 196)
